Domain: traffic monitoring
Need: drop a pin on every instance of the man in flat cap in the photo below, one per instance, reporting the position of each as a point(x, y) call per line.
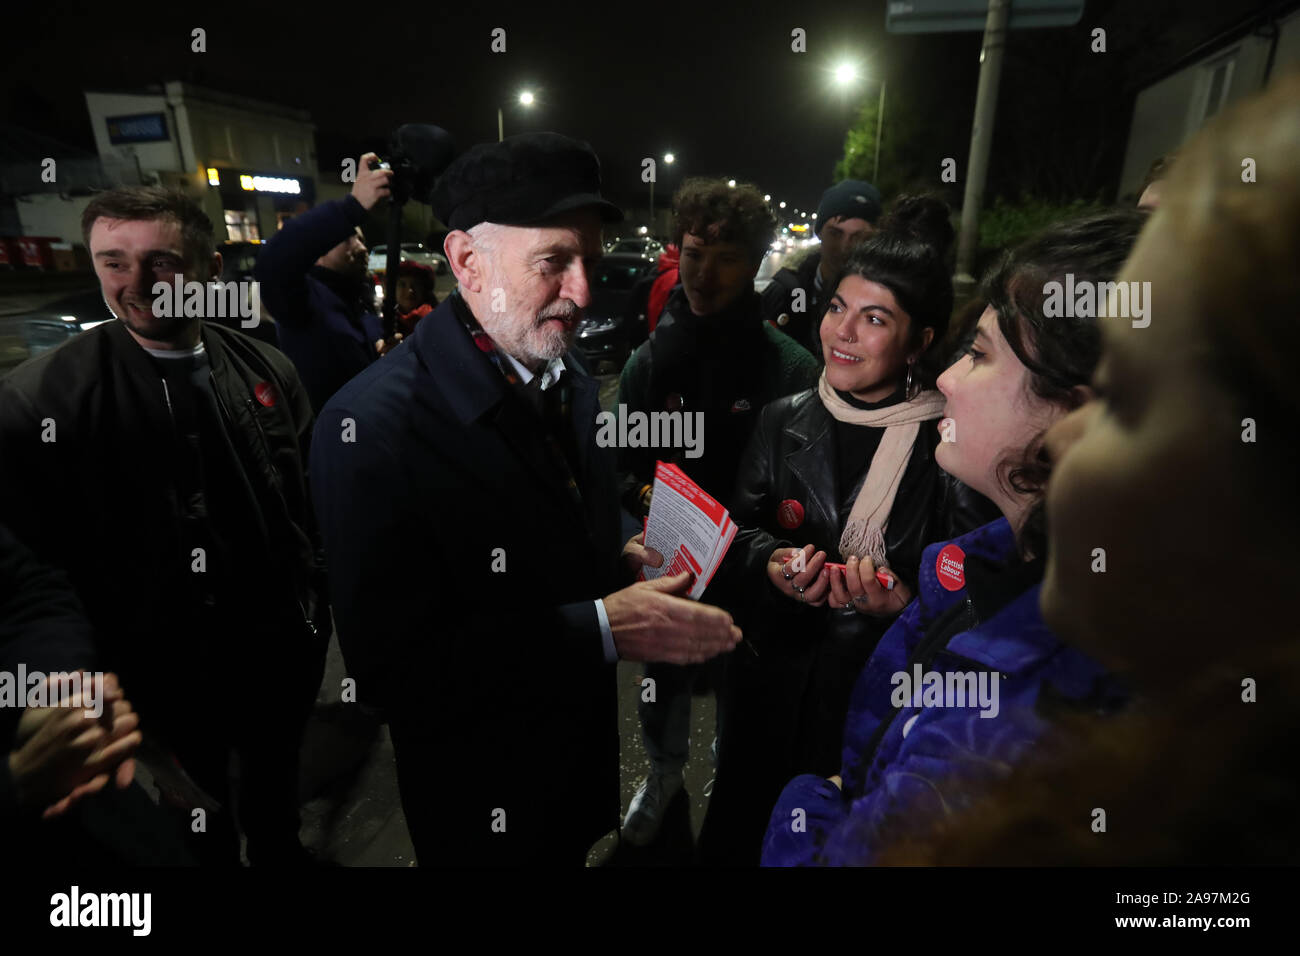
point(472, 526)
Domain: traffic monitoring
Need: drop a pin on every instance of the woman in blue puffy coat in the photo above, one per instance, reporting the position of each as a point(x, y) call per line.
point(969, 676)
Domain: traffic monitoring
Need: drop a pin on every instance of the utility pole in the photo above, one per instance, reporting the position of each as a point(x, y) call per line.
point(981, 136)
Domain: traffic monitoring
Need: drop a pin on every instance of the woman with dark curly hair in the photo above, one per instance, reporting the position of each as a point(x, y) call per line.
point(959, 675)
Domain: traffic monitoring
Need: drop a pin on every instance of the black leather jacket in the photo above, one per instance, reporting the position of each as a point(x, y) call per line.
point(791, 456)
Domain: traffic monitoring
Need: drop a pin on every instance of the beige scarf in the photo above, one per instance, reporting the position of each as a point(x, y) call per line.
point(864, 535)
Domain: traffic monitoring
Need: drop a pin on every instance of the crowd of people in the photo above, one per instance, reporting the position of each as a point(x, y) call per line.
point(1008, 577)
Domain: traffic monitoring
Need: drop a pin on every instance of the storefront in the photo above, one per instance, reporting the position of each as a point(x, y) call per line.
point(255, 204)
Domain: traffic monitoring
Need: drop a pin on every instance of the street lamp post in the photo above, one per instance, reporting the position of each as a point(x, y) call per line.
point(669, 159)
point(525, 99)
point(880, 121)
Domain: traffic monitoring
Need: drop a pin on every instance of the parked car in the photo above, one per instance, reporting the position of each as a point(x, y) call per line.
point(415, 251)
point(769, 267)
point(636, 245)
point(604, 335)
point(27, 335)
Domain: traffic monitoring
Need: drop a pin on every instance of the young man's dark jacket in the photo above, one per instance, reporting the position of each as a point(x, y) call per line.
point(89, 479)
point(728, 366)
point(464, 577)
point(324, 318)
point(779, 309)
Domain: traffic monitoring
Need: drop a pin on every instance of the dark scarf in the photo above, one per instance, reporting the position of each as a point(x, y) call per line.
point(706, 361)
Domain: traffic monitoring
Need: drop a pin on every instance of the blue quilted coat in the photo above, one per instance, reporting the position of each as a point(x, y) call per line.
point(905, 766)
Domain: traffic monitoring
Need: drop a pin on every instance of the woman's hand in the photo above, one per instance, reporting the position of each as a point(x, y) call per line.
point(856, 587)
point(809, 586)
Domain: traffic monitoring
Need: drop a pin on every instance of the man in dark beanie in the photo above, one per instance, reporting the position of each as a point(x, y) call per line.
point(797, 297)
point(710, 353)
point(472, 521)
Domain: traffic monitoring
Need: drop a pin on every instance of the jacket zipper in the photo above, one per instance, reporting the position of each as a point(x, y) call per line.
point(312, 630)
point(923, 654)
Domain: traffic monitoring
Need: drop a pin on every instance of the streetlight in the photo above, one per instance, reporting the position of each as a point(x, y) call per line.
point(845, 74)
point(669, 159)
point(731, 183)
point(526, 98)
point(783, 204)
point(767, 197)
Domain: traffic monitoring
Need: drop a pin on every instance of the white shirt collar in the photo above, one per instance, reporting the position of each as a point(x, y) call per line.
point(550, 375)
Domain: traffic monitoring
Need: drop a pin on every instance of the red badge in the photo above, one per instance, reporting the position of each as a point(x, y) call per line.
point(790, 514)
point(266, 394)
point(950, 568)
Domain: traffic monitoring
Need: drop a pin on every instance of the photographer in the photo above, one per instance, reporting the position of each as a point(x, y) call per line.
point(314, 283)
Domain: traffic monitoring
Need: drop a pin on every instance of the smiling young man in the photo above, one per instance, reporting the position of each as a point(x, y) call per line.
point(160, 460)
point(710, 353)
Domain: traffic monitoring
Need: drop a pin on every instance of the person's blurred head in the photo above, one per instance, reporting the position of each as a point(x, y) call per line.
point(891, 304)
point(847, 214)
point(415, 286)
point(1024, 369)
point(723, 232)
point(1184, 468)
point(348, 257)
point(1153, 185)
point(139, 236)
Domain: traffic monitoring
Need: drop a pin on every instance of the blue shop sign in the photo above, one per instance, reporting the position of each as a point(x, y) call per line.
point(140, 128)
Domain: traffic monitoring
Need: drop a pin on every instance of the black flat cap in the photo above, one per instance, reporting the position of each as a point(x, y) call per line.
point(523, 180)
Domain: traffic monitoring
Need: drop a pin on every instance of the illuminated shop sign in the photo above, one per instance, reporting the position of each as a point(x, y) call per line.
point(139, 128)
point(270, 184)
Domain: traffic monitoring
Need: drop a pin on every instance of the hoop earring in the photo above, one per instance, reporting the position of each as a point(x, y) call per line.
point(907, 386)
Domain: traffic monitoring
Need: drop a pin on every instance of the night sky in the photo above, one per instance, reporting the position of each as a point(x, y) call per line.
point(717, 84)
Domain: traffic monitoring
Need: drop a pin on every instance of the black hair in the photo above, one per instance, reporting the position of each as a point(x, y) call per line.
point(1061, 352)
point(908, 255)
point(134, 203)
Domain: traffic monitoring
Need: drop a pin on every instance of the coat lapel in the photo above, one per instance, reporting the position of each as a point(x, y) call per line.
point(809, 462)
point(453, 373)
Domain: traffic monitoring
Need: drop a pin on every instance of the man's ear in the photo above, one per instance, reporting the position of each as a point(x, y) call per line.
point(214, 267)
point(466, 264)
